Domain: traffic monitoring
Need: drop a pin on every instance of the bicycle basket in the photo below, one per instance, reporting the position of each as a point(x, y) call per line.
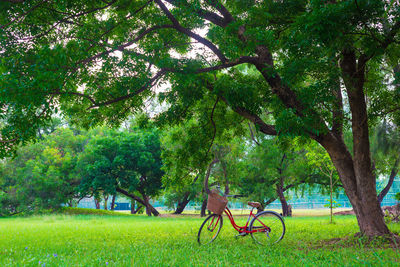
point(216, 203)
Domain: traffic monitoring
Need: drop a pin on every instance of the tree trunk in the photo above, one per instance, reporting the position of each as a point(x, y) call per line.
point(359, 185)
point(97, 203)
point(282, 199)
point(355, 170)
point(203, 208)
point(138, 199)
point(105, 202)
point(133, 206)
point(393, 174)
point(113, 202)
point(182, 204)
point(146, 204)
point(279, 188)
point(206, 186)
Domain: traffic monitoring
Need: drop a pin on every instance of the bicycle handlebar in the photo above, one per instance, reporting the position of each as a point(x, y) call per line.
point(234, 196)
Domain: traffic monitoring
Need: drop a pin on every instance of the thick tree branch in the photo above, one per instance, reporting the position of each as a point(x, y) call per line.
point(213, 124)
point(75, 93)
point(205, 14)
point(189, 33)
point(138, 199)
point(241, 60)
point(228, 18)
point(8, 141)
point(265, 65)
point(130, 195)
point(337, 113)
point(206, 186)
point(263, 127)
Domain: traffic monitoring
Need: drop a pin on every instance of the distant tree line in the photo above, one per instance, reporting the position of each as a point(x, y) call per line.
point(144, 162)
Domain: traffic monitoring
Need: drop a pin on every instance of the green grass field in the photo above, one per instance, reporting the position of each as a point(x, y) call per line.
point(90, 240)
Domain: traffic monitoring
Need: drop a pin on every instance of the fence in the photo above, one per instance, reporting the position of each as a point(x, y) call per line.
point(312, 200)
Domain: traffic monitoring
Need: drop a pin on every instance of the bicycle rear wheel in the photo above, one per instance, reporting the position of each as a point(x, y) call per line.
point(269, 226)
point(210, 229)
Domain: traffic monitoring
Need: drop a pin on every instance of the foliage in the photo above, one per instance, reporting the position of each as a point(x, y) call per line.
point(188, 147)
point(42, 175)
point(283, 164)
point(120, 241)
point(130, 160)
point(385, 147)
point(317, 67)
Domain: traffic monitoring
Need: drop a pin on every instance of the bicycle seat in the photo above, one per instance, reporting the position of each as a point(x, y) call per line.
point(254, 204)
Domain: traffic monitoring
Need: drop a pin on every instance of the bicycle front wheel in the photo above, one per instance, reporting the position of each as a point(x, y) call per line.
point(210, 229)
point(269, 228)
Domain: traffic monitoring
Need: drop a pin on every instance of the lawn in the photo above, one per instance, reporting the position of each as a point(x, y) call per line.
point(90, 240)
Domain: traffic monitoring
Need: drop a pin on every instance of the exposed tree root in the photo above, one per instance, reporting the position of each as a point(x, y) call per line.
point(363, 241)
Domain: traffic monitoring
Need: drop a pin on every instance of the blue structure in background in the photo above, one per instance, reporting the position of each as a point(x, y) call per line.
point(312, 200)
point(122, 206)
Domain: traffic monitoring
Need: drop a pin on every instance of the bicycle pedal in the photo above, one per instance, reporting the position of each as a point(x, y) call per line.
point(241, 234)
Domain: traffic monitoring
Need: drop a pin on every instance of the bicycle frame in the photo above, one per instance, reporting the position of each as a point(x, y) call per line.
point(244, 229)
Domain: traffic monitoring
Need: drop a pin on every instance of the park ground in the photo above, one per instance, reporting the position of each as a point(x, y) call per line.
point(121, 240)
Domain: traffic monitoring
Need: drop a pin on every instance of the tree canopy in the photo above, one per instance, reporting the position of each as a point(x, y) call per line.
point(314, 67)
point(43, 175)
point(123, 162)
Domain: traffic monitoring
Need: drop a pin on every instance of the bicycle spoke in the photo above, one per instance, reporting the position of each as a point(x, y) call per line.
point(210, 229)
point(269, 227)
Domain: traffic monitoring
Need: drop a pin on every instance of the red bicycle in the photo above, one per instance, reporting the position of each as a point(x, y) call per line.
point(266, 227)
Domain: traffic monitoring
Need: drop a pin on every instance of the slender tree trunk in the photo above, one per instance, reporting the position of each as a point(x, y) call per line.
point(113, 202)
point(106, 202)
point(146, 204)
point(280, 189)
point(282, 199)
point(182, 204)
point(393, 174)
point(97, 203)
point(133, 206)
point(203, 208)
point(138, 209)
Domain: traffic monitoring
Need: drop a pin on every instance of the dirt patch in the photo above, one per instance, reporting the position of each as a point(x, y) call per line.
point(345, 212)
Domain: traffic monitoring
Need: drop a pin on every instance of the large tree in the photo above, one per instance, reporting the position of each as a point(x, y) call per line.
point(128, 163)
point(321, 66)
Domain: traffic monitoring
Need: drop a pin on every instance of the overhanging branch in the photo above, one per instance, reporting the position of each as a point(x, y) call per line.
point(189, 33)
